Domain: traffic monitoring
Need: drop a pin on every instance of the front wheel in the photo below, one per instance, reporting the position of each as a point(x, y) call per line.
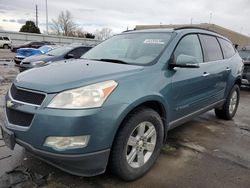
point(5, 46)
point(137, 144)
point(230, 107)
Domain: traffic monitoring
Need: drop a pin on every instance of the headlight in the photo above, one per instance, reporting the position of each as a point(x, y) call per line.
point(64, 143)
point(92, 96)
point(38, 63)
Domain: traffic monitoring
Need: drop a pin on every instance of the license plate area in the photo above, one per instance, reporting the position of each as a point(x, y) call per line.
point(9, 138)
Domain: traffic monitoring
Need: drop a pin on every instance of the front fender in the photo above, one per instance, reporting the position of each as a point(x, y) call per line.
point(150, 98)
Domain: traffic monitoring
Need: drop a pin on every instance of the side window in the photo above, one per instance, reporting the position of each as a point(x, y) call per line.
point(211, 47)
point(78, 52)
point(37, 43)
point(189, 46)
point(6, 38)
point(1, 38)
point(81, 51)
point(227, 48)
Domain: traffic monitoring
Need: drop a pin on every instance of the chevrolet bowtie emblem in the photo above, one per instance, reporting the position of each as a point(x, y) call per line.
point(9, 104)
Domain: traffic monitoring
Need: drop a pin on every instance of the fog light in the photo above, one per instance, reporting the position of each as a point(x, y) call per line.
point(65, 143)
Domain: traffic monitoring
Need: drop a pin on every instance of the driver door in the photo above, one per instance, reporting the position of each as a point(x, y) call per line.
point(187, 83)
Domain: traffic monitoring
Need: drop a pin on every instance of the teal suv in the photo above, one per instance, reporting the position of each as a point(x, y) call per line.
point(114, 106)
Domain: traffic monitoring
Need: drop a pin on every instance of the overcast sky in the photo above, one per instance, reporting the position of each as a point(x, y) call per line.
point(120, 14)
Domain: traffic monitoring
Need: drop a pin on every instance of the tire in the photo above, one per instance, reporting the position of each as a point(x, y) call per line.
point(17, 62)
point(228, 111)
point(5, 46)
point(134, 149)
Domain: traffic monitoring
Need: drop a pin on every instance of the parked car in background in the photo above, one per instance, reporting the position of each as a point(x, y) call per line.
point(30, 44)
point(245, 55)
point(5, 42)
point(61, 53)
point(22, 53)
point(116, 104)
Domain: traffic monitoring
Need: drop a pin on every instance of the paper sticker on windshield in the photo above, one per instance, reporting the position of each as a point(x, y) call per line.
point(153, 41)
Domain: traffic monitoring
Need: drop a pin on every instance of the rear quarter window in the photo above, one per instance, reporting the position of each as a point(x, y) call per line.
point(227, 48)
point(211, 48)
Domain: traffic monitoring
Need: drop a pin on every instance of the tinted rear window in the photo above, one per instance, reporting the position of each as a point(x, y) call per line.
point(227, 48)
point(211, 47)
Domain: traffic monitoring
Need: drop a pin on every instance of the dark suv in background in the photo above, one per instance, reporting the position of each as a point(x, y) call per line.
point(115, 105)
point(245, 55)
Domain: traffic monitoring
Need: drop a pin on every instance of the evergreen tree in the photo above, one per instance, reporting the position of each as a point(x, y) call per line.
point(30, 27)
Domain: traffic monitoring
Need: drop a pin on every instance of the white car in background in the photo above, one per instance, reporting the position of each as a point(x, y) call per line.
point(5, 42)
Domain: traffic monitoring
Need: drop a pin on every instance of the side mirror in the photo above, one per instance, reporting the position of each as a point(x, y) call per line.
point(185, 61)
point(69, 56)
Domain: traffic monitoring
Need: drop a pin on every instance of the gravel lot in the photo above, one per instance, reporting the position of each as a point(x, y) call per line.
point(6, 54)
point(205, 152)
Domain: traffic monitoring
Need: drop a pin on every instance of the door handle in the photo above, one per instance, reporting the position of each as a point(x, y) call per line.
point(205, 74)
point(228, 69)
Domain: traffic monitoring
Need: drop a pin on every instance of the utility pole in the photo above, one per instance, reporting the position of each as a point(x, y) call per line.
point(36, 16)
point(47, 17)
point(210, 18)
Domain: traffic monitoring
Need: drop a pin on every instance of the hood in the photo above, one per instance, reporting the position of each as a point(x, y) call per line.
point(43, 57)
point(66, 75)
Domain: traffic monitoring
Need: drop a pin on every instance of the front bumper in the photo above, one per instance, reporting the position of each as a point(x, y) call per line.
point(101, 124)
point(90, 164)
point(18, 59)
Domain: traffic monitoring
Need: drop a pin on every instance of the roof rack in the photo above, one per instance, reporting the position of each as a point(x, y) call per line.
point(196, 27)
point(192, 27)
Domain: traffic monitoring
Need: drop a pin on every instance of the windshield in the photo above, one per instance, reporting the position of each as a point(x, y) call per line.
point(130, 48)
point(45, 49)
point(245, 54)
point(60, 51)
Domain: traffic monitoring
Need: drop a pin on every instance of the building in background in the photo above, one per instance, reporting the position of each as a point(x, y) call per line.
point(239, 40)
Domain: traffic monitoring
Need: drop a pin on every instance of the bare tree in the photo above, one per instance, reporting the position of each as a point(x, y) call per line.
point(55, 27)
point(103, 34)
point(64, 24)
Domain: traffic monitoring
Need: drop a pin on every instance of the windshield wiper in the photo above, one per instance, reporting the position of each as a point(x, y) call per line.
point(111, 60)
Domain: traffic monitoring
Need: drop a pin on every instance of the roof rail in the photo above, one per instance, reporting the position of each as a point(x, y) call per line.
point(192, 27)
point(128, 30)
point(196, 27)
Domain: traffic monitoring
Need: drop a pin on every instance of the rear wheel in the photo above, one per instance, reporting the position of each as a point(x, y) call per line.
point(137, 144)
point(230, 107)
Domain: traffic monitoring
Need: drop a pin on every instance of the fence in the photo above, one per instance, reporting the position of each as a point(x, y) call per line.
point(19, 38)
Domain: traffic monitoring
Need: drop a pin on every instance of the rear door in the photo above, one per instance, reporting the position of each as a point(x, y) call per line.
point(215, 69)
